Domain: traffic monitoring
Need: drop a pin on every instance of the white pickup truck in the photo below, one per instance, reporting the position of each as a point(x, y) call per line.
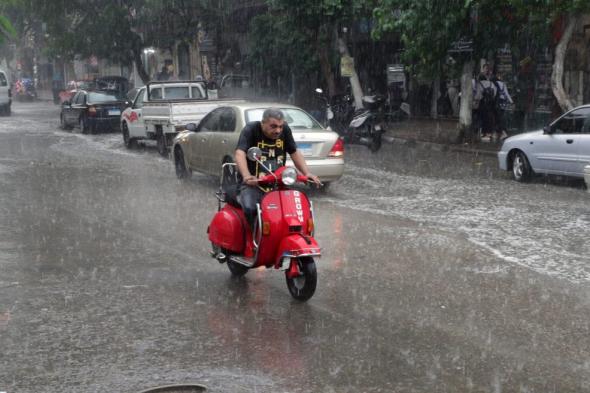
point(160, 110)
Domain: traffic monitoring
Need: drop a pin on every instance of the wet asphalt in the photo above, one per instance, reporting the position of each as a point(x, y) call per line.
point(439, 274)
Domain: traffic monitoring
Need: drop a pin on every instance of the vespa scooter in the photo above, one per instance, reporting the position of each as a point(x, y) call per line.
point(282, 237)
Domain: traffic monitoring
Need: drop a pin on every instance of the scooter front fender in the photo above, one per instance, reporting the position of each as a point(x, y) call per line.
point(295, 246)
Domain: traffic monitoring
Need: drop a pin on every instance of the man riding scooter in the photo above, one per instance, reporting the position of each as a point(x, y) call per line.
point(275, 139)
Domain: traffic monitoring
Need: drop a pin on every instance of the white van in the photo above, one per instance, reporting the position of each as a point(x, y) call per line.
point(5, 94)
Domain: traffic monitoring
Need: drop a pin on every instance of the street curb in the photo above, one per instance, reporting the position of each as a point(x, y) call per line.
point(438, 146)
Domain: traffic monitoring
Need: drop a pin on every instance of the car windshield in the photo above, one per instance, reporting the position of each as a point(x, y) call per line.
point(98, 97)
point(295, 118)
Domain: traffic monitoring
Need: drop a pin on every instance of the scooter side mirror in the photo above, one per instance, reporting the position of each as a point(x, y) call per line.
point(254, 154)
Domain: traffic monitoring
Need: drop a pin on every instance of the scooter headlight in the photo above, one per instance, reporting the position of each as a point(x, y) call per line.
point(289, 176)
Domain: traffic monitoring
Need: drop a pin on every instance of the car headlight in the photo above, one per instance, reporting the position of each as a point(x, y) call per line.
point(289, 176)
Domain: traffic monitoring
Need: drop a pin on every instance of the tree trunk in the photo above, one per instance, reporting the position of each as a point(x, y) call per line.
point(357, 91)
point(326, 67)
point(137, 53)
point(558, 64)
point(434, 99)
point(465, 110)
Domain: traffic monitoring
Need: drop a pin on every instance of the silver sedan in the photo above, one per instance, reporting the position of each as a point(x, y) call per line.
point(214, 141)
point(561, 148)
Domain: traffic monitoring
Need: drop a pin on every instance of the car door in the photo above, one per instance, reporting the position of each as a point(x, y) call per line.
point(69, 109)
point(583, 142)
point(134, 117)
point(222, 141)
point(199, 140)
point(78, 107)
point(556, 151)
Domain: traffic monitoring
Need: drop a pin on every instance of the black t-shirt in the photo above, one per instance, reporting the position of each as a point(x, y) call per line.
point(273, 150)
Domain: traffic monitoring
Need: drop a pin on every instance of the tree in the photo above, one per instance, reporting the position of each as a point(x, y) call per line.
point(7, 32)
point(429, 29)
point(122, 29)
point(306, 32)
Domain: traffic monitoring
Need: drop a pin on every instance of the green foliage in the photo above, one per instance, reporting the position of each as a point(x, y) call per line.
point(6, 29)
point(429, 28)
point(289, 37)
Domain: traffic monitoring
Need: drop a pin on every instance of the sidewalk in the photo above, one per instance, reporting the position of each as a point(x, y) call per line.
point(437, 134)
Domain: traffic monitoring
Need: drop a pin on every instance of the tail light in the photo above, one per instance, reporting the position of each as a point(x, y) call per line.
point(91, 111)
point(338, 149)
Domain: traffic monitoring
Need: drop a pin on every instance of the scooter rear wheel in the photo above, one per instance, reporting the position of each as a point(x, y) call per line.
point(303, 286)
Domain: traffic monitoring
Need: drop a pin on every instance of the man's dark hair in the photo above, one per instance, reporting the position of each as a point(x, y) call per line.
point(275, 113)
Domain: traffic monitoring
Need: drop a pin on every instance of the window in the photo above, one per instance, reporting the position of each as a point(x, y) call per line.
point(3, 81)
point(80, 98)
point(295, 118)
point(98, 97)
point(196, 92)
point(176, 93)
point(156, 93)
point(139, 100)
point(574, 122)
point(211, 121)
point(227, 120)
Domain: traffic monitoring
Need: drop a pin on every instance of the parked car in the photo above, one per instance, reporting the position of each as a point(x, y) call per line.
point(561, 148)
point(5, 94)
point(164, 112)
point(93, 110)
point(215, 138)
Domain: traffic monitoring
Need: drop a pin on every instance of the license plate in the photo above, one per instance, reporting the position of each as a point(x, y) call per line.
point(114, 112)
point(305, 148)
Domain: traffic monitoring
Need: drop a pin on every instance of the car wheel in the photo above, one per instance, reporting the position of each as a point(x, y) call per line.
point(84, 129)
point(161, 142)
point(62, 123)
point(182, 172)
point(521, 169)
point(303, 286)
point(375, 143)
point(129, 142)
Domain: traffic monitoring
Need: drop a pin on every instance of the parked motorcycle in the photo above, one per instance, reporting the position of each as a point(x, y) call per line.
point(282, 237)
point(366, 127)
point(25, 90)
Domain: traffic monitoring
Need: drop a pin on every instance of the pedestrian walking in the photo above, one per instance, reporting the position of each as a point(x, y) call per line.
point(503, 102)
point(485, 103)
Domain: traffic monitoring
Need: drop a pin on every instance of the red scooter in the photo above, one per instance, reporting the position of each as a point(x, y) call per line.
point(283, 234)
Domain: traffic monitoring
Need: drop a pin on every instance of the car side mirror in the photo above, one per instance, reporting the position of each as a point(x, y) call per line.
point(547, 130)
point(66, 103)
point(254, 153)
point(191, 127)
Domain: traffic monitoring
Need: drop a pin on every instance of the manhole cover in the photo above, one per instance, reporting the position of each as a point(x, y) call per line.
point(190, 388)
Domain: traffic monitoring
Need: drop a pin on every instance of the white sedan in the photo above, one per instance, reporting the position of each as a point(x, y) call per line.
point(561, 148)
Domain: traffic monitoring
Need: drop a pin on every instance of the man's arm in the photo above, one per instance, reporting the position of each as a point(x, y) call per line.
point(242, 163)
point(300, 164)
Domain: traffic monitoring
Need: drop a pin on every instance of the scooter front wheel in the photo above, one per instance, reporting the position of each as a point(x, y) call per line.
point(302, 287)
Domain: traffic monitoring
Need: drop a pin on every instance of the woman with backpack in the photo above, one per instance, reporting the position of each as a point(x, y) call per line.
point(485, 103)
point(503, 102)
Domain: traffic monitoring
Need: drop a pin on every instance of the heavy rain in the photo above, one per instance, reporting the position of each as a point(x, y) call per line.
point(449, 261)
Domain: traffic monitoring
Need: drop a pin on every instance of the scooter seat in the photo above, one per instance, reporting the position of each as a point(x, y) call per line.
point(230, 192)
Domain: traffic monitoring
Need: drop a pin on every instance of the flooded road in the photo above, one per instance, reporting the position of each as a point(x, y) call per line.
point(439, 274)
